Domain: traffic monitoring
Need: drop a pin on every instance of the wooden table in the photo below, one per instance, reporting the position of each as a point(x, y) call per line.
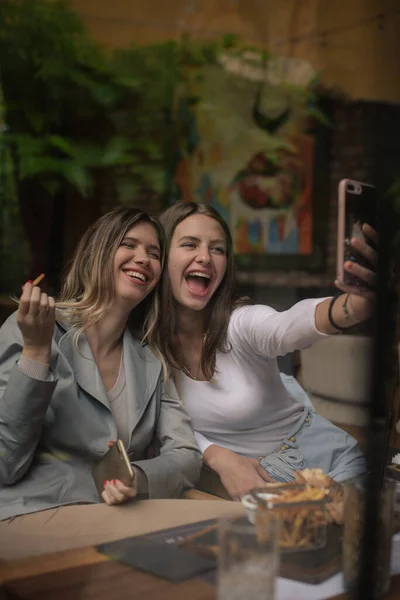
point(85, 574)
point(81, 573)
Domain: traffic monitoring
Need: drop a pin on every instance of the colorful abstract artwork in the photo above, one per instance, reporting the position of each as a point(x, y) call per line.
point(246, 148)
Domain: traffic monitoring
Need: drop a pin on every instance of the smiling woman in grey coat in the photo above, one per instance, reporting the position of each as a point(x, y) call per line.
point(75, 375)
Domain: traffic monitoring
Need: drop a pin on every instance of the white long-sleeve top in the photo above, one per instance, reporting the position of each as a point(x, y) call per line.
point(246, 408)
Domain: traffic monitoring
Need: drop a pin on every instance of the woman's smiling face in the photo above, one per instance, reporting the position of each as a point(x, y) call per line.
point(197, 261)
point(137, 264)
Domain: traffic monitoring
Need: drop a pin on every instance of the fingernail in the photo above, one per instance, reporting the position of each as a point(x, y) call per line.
point(105, 483)
point(114, 481)
point(110, 444)
point(30, 281)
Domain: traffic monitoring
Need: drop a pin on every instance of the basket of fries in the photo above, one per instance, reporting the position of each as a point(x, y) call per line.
point(305, 507)
point(302, 512)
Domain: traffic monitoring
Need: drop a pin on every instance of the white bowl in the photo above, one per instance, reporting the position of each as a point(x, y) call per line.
point(251, 505)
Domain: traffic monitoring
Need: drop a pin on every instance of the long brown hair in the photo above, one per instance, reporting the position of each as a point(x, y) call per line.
point(218, 310)
point(88, 286)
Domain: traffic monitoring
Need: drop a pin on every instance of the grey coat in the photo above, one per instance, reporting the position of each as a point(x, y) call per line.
point(52, 432)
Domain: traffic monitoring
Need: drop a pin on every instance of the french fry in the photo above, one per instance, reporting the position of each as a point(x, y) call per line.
point(38, 279)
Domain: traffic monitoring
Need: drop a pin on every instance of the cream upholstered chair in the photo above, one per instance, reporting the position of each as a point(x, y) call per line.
point(336, 373)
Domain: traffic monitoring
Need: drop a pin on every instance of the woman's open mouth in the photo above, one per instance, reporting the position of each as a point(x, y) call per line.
point(198, 283)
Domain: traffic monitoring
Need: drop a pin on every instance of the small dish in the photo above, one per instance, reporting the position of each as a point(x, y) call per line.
point(251, 505)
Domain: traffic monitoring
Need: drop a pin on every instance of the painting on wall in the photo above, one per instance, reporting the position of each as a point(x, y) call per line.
point(250, 145)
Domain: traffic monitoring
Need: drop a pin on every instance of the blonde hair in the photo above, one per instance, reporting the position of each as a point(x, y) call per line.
point(88, 286)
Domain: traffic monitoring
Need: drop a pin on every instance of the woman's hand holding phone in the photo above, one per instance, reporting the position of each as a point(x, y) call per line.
point(362, 297)
point(115, 492)
point(114, 476)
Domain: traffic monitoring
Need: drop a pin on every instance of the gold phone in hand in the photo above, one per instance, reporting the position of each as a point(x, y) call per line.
point(115, 464)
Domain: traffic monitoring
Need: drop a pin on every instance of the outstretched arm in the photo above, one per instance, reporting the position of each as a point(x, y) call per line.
point(263, 331)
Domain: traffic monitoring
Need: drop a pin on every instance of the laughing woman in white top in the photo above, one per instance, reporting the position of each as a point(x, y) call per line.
point(223, 356)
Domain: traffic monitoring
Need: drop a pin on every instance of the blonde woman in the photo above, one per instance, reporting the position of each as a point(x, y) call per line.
point(75, 375)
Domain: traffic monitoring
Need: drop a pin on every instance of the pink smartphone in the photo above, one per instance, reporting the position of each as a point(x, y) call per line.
point(357, 204)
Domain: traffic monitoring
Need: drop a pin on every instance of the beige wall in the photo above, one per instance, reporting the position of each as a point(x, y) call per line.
point(361, 60)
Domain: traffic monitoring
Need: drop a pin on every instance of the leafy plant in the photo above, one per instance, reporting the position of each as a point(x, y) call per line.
point(58, 88)
point(72, 109)
point(76, 116)
point(60, 93)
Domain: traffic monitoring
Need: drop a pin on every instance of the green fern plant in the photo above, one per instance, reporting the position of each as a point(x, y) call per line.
point(57, 87)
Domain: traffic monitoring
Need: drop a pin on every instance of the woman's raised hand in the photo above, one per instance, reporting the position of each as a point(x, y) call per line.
point(36, 320)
